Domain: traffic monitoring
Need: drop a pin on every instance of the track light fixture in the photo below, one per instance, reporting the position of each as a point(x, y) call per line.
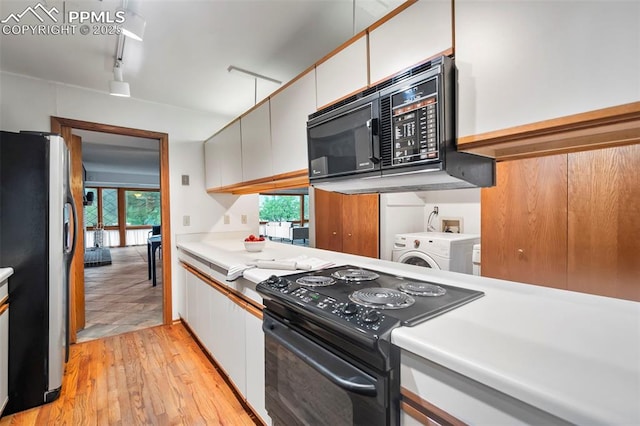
point(118, 87)
point(239, 71)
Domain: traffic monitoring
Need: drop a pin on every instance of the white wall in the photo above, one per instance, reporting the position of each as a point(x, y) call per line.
point(458, 203)
point(399, 213)
point(27, 103)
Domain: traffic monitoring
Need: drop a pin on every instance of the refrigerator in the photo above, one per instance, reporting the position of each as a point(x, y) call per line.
point(36, 216)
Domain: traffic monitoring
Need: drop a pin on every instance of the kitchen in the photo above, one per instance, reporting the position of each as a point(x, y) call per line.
point(492, 71)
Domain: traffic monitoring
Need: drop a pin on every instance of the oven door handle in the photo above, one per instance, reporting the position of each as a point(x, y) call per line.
point(337, 370)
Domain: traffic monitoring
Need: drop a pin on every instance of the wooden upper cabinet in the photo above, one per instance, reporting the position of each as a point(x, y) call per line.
point(361, 224)
point(524, 222)
point(257, 160)
point(421, 31)
point(525, 62)
point(211, 164)
point(342, 74)
point(347, 223)
point(230, 152)
point(290, 110)
point(604, 222)
point(328, 220)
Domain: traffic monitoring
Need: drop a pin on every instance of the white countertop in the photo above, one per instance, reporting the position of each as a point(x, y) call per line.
point(574, 355)
point(5, 273)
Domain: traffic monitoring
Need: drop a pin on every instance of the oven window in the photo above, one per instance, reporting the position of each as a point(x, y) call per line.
point(308, 395)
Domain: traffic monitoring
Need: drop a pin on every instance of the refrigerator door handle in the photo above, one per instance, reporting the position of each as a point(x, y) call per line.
point(71, 250)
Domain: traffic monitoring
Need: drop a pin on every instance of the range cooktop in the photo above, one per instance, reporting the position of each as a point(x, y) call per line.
point(363, 298)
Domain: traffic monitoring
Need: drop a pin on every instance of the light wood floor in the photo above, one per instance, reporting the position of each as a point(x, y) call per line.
point(119, 297)
point(155, 376)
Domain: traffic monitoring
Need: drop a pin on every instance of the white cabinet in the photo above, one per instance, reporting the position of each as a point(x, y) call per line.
point(233, 354)
point(525, 61)
point(342, 74)
point(4, 356)
point(290, 110)
point(421, 31)
point(256, 144)
point(212, 176)
point(229, 151)
point(255, 364)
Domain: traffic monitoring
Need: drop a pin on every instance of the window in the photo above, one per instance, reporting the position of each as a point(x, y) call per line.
point(109, 207)
point(284, 208)
point(142, 207)
point(91, 212)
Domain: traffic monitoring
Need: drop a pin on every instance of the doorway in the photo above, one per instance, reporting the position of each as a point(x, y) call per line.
point(65, 127)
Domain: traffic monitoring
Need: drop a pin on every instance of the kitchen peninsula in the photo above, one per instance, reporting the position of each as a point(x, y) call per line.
point(521, 354)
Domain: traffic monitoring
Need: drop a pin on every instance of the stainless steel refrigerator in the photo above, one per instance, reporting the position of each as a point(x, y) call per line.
point(36, 240)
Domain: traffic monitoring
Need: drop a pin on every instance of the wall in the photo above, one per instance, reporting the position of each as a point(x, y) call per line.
point(458, 203)
point(27, 103)
point(399, 213)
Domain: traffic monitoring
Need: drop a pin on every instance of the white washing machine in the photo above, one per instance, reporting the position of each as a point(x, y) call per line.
point(437, 250)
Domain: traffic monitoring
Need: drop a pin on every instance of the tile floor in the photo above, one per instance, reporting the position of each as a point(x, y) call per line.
point(119, 297)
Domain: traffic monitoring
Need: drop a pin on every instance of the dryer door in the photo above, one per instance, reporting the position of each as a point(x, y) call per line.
point(418, 258)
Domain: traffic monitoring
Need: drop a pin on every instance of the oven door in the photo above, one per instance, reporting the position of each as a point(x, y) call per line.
point(306, 384)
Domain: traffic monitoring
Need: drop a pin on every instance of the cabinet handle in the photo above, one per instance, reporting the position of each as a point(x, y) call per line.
point(520, 251)
point(334, 233)
point(349, 234)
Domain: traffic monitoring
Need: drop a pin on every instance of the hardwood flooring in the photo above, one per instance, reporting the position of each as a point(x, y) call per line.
point(155, 376)
point(119, 297)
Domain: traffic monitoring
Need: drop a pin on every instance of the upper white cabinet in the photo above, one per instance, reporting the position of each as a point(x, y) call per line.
point(290, 110)
point(256, 144)
point(212, 177)
point(229, 150)
point(419, 32)
point(526, 61)
point(343, 73)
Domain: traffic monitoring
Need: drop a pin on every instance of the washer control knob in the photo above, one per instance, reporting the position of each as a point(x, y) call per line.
point(371, 317)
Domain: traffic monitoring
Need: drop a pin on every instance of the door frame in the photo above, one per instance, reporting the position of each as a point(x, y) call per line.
point(65, 127)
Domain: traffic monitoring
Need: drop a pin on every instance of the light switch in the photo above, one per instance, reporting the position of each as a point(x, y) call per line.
point(186, 221)
point(227, 219)
point(243, 219)
point(185, 180)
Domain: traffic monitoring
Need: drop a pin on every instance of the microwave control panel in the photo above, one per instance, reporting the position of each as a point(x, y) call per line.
point(415, 124)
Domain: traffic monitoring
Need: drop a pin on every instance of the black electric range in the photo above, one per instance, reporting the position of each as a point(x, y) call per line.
point(328, 334)
point(371, 302)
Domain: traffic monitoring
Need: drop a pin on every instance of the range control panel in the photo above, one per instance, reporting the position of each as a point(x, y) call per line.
point(415, 124)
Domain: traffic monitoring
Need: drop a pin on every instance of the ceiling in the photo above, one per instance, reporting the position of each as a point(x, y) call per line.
point(183, 59)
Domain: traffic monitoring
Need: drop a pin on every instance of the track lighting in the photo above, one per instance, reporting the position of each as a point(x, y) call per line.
point(118, 87)
point(239, 71)
point(134, 25)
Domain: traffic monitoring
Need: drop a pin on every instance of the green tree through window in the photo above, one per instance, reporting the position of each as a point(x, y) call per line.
point(142, 207)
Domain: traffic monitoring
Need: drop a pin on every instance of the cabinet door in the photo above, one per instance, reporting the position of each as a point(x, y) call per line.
point(255, 365)
point(328, 220)
point(230, 154)
point(256, 144)
point(212, 164)
point(342, 74)
point(191, 300)
point(421, 31)
point(232, 352)
point(361, 224)
point(524, 222)
point(604, 222)
point(521, 62)
point(290, 110)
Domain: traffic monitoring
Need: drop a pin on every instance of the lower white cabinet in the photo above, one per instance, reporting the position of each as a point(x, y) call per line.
point(232, 335)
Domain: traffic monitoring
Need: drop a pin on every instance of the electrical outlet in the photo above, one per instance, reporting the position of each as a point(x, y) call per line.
point(243, 219)
point(435, 209)
point(186, 221)
point(227, 219)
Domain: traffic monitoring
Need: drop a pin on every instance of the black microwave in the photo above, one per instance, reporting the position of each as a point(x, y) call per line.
point(345, 141)
point(399, 135)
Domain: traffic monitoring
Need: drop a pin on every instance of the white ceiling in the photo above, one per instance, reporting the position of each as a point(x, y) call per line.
point(188, 46)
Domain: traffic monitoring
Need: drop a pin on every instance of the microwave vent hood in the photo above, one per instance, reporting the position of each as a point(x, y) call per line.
point(465, 171)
